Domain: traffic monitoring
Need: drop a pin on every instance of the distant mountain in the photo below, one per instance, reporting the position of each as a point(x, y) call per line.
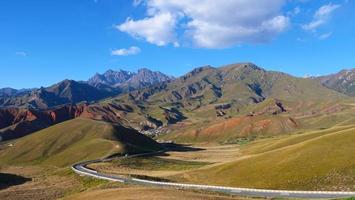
point(65, 92)
point(343, 82)
point(98, 87)
point(10, 92)
point(110, 78)
point(7, 92)
point(146, 77)
point(128, 81)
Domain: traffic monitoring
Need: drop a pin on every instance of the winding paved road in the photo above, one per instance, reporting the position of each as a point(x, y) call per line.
point(82, 169)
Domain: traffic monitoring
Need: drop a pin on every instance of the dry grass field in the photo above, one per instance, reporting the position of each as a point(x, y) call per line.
point(312, 160)
point(149, 193)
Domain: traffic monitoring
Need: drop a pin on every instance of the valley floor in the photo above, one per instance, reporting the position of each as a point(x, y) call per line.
point(314, 160)
point(319, 160)
point(48, 183)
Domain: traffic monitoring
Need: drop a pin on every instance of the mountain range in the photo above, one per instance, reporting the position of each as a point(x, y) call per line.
point(98, 87)
point(127, 81)
point(236, 125)
point(10, 92)
point(147, 100)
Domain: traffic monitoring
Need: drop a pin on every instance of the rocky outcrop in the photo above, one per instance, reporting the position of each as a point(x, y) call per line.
point(274, 109)
point(173, 115)
point(343, 82)
point(223, 106)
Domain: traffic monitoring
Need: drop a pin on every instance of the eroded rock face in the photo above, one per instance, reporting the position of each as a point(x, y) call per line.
point(65, 112)
point(11, 116)
point(18, 122)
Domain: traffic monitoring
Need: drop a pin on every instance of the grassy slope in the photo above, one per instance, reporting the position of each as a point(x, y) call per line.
point(199, 91)
point(156, 163)
point(303, 99)
point(234, 129)
point(301, 117)
point(148, 193)
point(314, 161)
point(73, 141)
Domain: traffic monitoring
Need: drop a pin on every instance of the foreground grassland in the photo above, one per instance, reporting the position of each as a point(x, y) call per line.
point(157, 163)
point(148, 193)
point(38, 166)
point(171, 163)
point(62, 183)
point(39, 182)
point(314, 160)
point(319, 160)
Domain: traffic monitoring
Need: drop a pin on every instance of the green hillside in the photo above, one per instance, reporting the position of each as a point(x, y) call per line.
point(234, 130)
point(239, 84)
point(73, 141)
point(322, 160)
point(207, 93)
point(266, 120)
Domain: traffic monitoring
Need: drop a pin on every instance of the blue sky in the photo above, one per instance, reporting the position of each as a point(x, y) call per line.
point(43, 42)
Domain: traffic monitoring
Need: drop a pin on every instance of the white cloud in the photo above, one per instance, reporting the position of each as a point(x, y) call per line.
point(325, 36)
point(137, 2)
point(209, 23)
point(158, 29)
point(126, 52)
point(321, 17)
point(21, 53)
point(295, 11)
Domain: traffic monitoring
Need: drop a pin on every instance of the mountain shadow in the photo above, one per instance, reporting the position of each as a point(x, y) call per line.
point(8, 180)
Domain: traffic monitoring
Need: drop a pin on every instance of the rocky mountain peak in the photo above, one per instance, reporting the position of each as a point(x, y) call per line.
point(343, 82)
point(117, 79)
point(110, 77)
point(146, 77)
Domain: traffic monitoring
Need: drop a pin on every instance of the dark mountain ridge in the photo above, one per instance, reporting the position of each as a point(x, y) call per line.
point(64, 92)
